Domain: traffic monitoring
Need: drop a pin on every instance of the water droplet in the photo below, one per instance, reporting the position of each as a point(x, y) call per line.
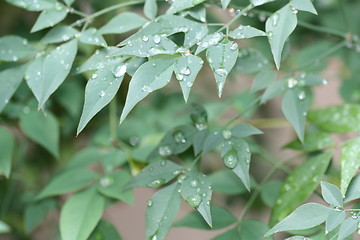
point(176, 172)
point(201, 126)
point(180, 77)
point(149, 203)
point(146, 88)
point(106, 181)
point(165, 150)
point(204, 195)
point(208, 202)
point(354, 215)
point(294, 10)
point(234, 46)
point(302, 95)
point(154, 237)
point(145, 38)
point(156, 183)
point(230, 159)
point(26, 109)
point(179, 137)
point(156, 39)
point(185, 71)
point(120, 70)
point(227, 134)
point(94, 76)
point(102, 94)
point(14, 58)
point(275, 19)
point(270, 34)
point(163, 163)
point(194, 200)
point(221, 71)
point(292, 82)
point(324, 82)
point(194, 183)
point(181, 178)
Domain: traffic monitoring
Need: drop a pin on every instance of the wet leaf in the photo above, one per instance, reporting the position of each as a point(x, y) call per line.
point(117, 24)
point(59, 33)
point(14, 48)
point(177, 6)
point(49, 18)
point(243, 32)
point(350, 162)
point(150, 8)
point(93, 37)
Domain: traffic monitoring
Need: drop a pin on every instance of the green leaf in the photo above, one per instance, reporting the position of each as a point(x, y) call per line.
point(221, 219)
point(250, 61)
point(168, 25)
point(225, 181)
point(294, 108)
point(86, 157)
point(263, 79)
point(186, 69)
point(306, 216)
point(331, 194)
point(93, 37)
point(68, 181)
point(303, 5)
point(222, 58)
point(230, 234)
point(225, 3)
point(212, 141)
point(244, 130)
point(150, 76)
point(348, 227)
point(116, 25)
point(4, 228)
point(350, 162)
point(177, 6)
point(243, 32)
point(199, 139)
point(199, 116)
point(254, 230)
point(270, 192)
point(161, 212)
point(337, 119)
point(208, 41)
point(10, 80)
point(334, 220)
point(55, 69)
point(133, 64)
point(34, 76)
point(69, 2)
point(44, 130)
point(298, 238)
point(256, 3)
point(196, 190)
point(36, 212)
point(279, 27)
point(273, 90)
point(310, 79)
point(49, 17)
point(112, 186)
point(150, 9)
point(14, 48)
point(147, 46)
point(99, 91)
point(7, 143)
point(155, 174)
point(299, 185)
point(105, 231)
point(313, 141)
point(59, 33)
point(353, 191)
point(33, 5)
point(88, 206)
point(198, 12)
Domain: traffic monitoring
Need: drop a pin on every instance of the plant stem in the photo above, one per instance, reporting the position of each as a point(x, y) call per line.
point(81, 14)
point(239, 114)
point(243, 11)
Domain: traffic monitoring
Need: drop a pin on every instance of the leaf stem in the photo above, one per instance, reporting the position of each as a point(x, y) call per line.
point(243, 11)
point(239, 114)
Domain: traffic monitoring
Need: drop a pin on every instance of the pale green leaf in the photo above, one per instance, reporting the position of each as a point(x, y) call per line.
point(34, 76)
point(34, 5)
point(348, 227)
point(177, 6)
point(310, 79)
point(123, 22)
point(334, 219)
point(150, 9)
point(93, 37)
point(99, 91)
point(208, 41)
point(260, 2)
point(42, 129)
point(254, 230)
point(313, 141)
point(86, 157)
point(337, 119)
point(263, 79)
point(222, 58)
point(161, 212)
point(225, 181)
point(332, 194)
point(10, 80)
point(69, 2)
point(49, 18)
point(303, 5)
point(14, 48)
point(244, 130)
point(350, 162)
point(225, 3)
point(59, 33)
point(155, 174)
point(221, 219)
point(299, 185)
point(243, 32)
point(250, 61)
point(186, 70)
point(353, 191)
point(68, 181)
point(133, 64)
point(278, 28)
point(7, 143)
point(196, 190)
point(198, 12)
point(36, 212)
point(56, 67)
point(270, 192)
point(150, 76)
point(105, 231)
point(4, 228)
point(306, 216)
point(80, 215)
point(212, 141)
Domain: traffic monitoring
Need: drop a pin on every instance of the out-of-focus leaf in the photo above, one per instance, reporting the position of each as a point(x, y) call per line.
point(225, 3)
point(34, 5)
point(7, 143)
point(348, 227)
point(313, 141)
point(150, 8)
point(59, 33)
point(122, 23)
point(36, 212)
point(177, 6)
point(4, 228)
point(250, 61)
point(49, 17)
point(105, 231)
point(230, 234)
point(262, 80)
point(350, 163)
point(225, 181)
point(254, 230)
point(92, 36)
point(353, 191)
point(244, 130)
point(270, 192)
point(14, 48)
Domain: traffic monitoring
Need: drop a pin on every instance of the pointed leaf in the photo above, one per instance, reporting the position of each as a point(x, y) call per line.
point(69, 2)
point(150, 9)
point(92, 36)
point(303, 5)
point(260, 2)
point(222, 58)
point(270, 192)
point(105, 231)
point(49, 17)
point(251, 60)
point(225, 3)
point(60, 33)
point(230, 234)
point(337, 119)
point(150, 76)
point(331, 194)
point(243, 32)
point(161, 212)
point(67, 181)
point(14, 48)
point(7, 143)
point(212, 141)
point(313, 141)
point(186, 70)
point(306, 216)
point(350, 162)
point(273, 90)
point(34, 76)
point(36, 212)
point(299, 185)
point(209, 40)
point(262, 80)
point(86, 157)
point(225, 181)
point(117, 24)
point(353, 192)
point(254, 230)
point(244, 130)
point(80, 215)
point(279, 27)
point(334, 219)
point(348, 227)
point(42, 129)
point(198, 12)
point(10, 80)
point(196, 190)
point(33, 5)
point(155, 174)
point(56, 67)
point(100, 90)
point(177, 6)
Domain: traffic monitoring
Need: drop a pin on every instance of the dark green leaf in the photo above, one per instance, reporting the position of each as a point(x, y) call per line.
point(117, 24)
point(199, 140)
point(105, 231)
point(270, 192)
point(36, 212)
point(150, 8)
point(212, 141)
point(230, 234)
point(262, 80)
point(350, 162)
point(254, 230)
point(69, 2)
point(85, 158)
point(92, 36)
point(225, 3)
point(49, 17)
point(244, 130)
point(60, 33)
point(14, 48)
point(331, 194)
point(199, 116)
point(7, 143)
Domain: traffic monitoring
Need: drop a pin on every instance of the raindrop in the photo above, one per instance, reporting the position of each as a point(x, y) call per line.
point(208, 202)
point(156, 39)
point(203, 195)
point(145, 38)
point(156, 183)
point(234, 46)
point(221, 71)
point(292, 82)
point(270, 34)
point(176, 172)
point(102, 94)
point(230, 159)
point(165, 150)
point(163, 163)
point(179, 137)
point(154, 237)
point(324, 82)
point(302, 95)
point(106, 181)
point(94, 76)
point(180, 77)
point(149, 203)
point(227, 134)
point(120, 70)
point(294, 10)
point(275, 19)
point(194, 183)
point(181, 178)
point(134, 140)
point(15, 58)
point(194, 200)
point(146, 88)
point(185, 71)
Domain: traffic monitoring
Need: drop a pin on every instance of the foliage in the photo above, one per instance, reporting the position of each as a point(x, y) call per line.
point(129, 49)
